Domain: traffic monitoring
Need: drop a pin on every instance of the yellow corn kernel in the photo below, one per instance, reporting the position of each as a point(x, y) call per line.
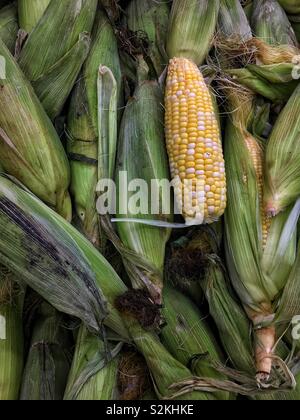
point(190, 112)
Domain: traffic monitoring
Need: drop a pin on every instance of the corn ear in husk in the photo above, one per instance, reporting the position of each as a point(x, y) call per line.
point(283, 174)
point(192, 24)
point(51, 50)
point(67, 270)
point(233, 21)
point(260, 253)
point(142, 135)
point(48, 361)
point(11, 336)
point(30, 12)
point(92, 123)
point(148, 21)
point(270, 23)
point(30, 147)
point(9, 26)
point(187, 336)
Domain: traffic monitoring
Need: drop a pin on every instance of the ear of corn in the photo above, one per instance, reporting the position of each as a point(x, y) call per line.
point(233, 21)
point(191, 28)
point(51, 50)
point(283, 174)
point(270, 23)
point(92, 377)
point(72, 283)
point(55, 85)
point(194, 144)
point(30, 12)
point(290, 6)
point(92, 126)
point(233, 325)
point(259, 255)
point(274, 82)
point(9, 26)
point(76, 262)
point(11, 336)
point(186, 335)
point(30, 147)
point(142, 134)
point(48, 360)
point(148, 21)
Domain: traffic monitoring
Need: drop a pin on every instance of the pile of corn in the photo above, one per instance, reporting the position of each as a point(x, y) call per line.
point(197, 294)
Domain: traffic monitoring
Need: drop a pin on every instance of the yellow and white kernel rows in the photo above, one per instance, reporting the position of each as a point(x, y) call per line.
point(194, 144)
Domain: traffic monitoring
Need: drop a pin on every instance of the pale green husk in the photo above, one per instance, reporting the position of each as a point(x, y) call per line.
point(191, 29)
point(232, 21)
point(142, 136)
point(48, 361)
point(270, 23)
point(30, 12)
point(30, 147)
point(149, 22)
point(92, 156)
point(66, 269)
point(49, 50)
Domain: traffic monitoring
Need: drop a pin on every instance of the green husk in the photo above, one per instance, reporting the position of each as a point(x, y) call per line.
point(265, 80)
point(67, 270)
point(191, 28)
point(88, 151)
point(92, 377)
point(270, 23)
point(30, 147)
point(283, 174)
point(148, 21)
point(142, 136)
point(232, 21)
point(290, 6)
point(259, 272)
point(58, 81)
point(9, 26)
point(50, 50)
point(187, 336)
point(30, 12)
point(11, 336)
point(295, 21)
point(48, 360)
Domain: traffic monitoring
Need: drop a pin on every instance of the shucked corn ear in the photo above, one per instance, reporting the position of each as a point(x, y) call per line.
point(92, 140)
point(11, 336)
point(9, 26)
point(260, 255)
point(186, 335)
point(30, 147)
point(192, 131)
point(194, 143)
point(191, 28)
point(142, 135)
point(56, 49)
point(149, 22)
point(30, 12)
point(68, 271)
point(48, 361)
point(270, 23)
point(282, 180)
